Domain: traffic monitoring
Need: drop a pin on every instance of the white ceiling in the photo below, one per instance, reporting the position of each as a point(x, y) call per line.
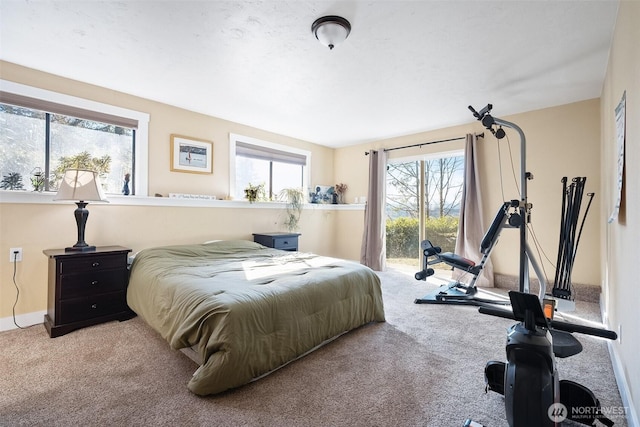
point(407, 66)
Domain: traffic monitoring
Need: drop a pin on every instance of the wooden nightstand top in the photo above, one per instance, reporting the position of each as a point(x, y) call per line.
point(277, 234)
point(52, 253)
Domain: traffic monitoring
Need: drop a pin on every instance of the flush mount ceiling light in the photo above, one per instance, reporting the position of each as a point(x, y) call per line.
point(331, 30)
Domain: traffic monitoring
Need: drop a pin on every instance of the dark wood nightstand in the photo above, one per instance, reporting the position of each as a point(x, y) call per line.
point(86, 288)
point(276, 240)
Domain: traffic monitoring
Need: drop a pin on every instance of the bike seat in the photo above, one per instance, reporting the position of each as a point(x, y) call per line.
point(565, 344)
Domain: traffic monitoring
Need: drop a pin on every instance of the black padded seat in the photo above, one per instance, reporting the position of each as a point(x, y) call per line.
point(457, 261)
point(565, 344)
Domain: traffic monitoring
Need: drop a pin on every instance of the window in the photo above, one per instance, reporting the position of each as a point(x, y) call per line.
point(259, 162)
point(45, 130)
point(27, 146)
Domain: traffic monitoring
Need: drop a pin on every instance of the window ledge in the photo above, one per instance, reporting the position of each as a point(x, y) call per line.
point(32, 197)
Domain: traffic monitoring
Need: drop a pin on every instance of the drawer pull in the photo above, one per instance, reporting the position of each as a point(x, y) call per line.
point(95, 282)
point(94, 306)
point(285, 242)
point(95, 264)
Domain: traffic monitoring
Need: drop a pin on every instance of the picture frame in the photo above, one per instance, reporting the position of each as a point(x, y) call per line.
point(191, 155)
point(321, 194)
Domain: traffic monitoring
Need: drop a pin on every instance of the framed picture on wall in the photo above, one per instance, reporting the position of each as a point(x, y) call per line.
point(191, 155)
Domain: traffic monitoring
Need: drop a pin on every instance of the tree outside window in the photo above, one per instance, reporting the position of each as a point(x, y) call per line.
point(441, 191)
point(25, 145)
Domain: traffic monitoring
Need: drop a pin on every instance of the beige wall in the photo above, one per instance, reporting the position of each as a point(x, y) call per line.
point(136, 227)
point(620, 239)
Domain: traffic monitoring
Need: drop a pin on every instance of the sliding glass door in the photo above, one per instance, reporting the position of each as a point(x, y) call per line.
point(423, 202)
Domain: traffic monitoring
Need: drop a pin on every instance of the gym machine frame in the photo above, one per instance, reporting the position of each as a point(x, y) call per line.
point(451, 293)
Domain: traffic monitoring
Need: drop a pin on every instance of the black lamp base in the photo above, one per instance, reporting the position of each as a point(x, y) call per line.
point(81, 214)
point(80, 249)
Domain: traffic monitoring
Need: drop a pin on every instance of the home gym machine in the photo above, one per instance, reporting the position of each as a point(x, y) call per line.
point(512, 214)
point(533, 393)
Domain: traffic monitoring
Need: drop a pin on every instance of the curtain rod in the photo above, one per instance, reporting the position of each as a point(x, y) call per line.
point(481, 135)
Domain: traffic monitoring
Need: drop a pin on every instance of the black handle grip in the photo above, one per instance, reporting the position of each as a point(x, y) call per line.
point(556, 324)
point(588, 330)
point(498, 312)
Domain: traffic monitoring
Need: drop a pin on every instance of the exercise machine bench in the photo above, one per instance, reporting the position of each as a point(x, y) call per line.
point(457, 292)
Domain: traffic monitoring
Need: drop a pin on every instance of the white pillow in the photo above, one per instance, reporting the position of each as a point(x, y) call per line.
point(131, 257)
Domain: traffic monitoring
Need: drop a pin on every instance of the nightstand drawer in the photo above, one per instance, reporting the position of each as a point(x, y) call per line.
point(278, 240)
point(78, 309)
point(286, 243)
point(85, 263)
point(92, 283)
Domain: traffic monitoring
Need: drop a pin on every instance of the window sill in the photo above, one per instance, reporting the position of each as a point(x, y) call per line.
point(31, 197)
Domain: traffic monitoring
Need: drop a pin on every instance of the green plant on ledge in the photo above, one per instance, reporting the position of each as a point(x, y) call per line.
point(294, 198)
point(37, 179)
point(254, 192)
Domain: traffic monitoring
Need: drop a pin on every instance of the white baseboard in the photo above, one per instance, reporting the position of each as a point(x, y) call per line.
point(24, 320)
point(623, 387)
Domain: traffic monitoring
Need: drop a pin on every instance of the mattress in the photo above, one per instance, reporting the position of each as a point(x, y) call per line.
point(247, 309)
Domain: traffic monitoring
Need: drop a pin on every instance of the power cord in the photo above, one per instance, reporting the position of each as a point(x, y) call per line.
point(15, 268)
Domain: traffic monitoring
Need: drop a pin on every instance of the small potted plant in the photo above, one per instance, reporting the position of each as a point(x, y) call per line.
point(340, 189)
point(37, 179)
point(254, 192)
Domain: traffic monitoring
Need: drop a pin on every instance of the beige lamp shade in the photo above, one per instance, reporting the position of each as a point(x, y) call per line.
point(80, 184)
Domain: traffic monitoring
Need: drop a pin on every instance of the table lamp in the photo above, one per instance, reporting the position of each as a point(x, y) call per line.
point(84, 186)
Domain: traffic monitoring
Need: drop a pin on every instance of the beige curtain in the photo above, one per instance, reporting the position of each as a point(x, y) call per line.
point(471, 227)
point(373, 252)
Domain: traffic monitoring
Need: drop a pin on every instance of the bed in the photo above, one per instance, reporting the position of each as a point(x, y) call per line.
point(246, 309)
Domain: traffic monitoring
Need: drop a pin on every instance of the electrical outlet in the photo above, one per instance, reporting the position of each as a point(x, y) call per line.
point(15, 254)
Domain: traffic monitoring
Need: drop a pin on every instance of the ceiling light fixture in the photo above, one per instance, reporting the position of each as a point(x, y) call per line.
point(331, 30)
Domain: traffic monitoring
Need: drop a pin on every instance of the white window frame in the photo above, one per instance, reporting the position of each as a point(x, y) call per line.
point(235, 138)
point(141, 154)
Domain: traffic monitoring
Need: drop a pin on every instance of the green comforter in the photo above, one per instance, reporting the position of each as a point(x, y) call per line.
point(248, 309)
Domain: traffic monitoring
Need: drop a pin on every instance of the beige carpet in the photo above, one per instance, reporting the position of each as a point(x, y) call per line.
point(423, 367)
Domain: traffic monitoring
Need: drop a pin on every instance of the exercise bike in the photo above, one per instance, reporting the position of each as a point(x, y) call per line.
point(528, 380)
